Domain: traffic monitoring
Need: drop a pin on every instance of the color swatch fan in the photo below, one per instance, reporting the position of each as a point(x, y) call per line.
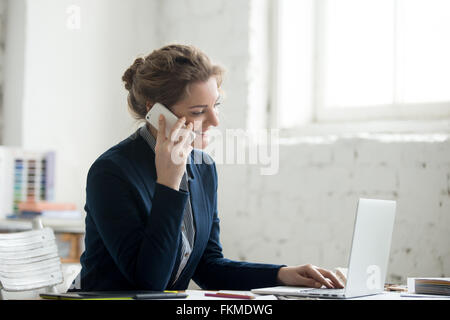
point(24, 176)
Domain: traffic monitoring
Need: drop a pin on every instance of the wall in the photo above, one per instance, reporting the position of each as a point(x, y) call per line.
point(64, 84)
point(220, 29)
point(3, 10)
point(305, 213)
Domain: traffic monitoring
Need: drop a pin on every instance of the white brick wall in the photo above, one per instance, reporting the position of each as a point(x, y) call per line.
point(305, 213)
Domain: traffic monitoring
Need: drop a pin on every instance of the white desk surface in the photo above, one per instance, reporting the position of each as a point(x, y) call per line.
point(200, 295)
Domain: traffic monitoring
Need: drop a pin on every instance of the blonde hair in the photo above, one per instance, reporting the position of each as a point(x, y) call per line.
point(164, 76)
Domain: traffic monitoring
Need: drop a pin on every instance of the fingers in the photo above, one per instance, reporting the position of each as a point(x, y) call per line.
point(317, 276)
point(184, 139)
point(185, 135)
point(309, 276)
point(330, 275)
point(182, 148)
point(161, 137)
point(308, 282)
point(178, 133)
point(175, 132)
point(312, 272)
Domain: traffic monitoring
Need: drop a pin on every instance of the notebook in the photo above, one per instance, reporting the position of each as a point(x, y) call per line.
point(114, 295)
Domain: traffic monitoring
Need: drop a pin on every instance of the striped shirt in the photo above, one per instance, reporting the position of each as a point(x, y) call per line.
point(187, 227)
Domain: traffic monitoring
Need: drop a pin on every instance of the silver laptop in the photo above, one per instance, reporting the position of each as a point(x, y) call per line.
point(369, 255)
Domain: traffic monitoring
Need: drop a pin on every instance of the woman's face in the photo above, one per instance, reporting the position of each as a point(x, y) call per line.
point(201, 108)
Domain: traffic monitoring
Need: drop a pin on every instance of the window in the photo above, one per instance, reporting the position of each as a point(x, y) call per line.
point(346, 60)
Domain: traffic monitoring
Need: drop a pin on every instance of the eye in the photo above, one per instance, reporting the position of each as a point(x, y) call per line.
point(216, 106)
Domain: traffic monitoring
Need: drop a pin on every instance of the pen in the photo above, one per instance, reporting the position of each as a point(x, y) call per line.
point(229, 295)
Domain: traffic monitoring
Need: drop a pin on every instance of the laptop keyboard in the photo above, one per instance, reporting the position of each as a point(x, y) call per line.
point(328, 292)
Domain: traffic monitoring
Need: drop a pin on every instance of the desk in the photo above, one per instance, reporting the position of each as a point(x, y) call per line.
point(387, 295)
point(200, 295)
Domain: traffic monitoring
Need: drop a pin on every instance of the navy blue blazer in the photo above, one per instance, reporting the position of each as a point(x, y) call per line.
point(133, 228)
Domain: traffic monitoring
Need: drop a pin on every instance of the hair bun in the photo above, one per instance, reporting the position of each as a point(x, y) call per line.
point(129, 75)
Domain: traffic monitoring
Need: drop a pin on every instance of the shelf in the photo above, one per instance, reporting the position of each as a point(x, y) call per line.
point(58, 225)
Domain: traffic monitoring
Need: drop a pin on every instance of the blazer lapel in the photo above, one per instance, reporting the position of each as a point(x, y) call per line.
point(198, 203)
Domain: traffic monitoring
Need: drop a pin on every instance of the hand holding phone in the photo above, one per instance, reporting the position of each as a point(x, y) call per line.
point(153, 118)
point(173, 145)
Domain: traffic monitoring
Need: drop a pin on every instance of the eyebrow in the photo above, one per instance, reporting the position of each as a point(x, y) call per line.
point(203, 105)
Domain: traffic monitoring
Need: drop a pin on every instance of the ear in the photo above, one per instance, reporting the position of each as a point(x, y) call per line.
point(148, 105)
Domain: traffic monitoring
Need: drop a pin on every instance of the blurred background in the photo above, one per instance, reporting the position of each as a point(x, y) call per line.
point(360, 90)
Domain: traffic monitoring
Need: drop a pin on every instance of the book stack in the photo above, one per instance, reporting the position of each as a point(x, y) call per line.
point(429, 286)
point(48, 210)
point(438, 286)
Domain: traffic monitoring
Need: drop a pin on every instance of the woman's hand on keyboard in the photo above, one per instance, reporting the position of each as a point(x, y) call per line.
point(308, 276)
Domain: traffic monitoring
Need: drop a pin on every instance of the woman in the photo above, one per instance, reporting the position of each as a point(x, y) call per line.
point(152, 223)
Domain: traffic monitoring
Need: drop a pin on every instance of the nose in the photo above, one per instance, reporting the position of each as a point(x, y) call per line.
point(212, 119)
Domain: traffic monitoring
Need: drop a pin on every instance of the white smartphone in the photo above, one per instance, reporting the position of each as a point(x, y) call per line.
point(153, 118)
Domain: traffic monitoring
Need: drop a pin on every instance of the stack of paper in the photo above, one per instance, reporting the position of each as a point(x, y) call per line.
point(433, 286)
point(439, 286)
